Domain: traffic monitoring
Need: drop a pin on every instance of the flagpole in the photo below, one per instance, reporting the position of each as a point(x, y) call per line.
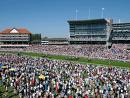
point(102, 12)
point(119, 21)
point(76, 13)
point(89, 14)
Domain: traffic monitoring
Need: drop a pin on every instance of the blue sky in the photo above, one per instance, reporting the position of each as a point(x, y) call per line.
point(49, 17)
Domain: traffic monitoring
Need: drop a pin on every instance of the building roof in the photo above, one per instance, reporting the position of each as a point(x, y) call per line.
point(90, 21)
point(15, 31)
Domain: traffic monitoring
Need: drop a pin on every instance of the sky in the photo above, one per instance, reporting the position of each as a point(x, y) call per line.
point(49, 17)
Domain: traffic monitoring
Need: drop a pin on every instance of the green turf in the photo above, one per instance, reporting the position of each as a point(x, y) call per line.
point(82, 60)
point(8, 94)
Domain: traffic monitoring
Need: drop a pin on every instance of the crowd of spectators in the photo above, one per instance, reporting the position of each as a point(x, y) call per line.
point(43, 78)
point(117, 52)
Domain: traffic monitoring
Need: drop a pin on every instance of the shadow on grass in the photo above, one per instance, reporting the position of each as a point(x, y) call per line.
point(2, 91)
point(9, 93)
point(13, 95)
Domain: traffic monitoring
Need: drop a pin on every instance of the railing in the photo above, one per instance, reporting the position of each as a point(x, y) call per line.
point(118, 38)
point(11, 39)
point(88, 39)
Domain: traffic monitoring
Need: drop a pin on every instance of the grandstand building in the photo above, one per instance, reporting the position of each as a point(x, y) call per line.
point(120, 33)
point(15, 37)
point(96, 31)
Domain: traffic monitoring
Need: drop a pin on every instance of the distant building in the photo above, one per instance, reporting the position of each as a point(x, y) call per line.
point(36, 38)
point(96, 31)
point(55, 41)
point(15, 37)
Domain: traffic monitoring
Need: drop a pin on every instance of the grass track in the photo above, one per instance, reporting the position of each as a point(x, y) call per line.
point(82, 60)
